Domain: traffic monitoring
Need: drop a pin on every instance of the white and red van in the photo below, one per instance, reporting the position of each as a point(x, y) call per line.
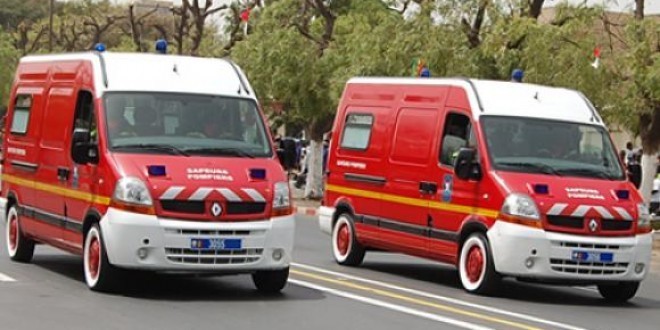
point(497, 178)
point(144, 161)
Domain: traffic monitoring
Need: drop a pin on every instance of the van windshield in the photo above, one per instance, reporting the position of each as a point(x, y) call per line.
point(185, 124)
point(550, 147)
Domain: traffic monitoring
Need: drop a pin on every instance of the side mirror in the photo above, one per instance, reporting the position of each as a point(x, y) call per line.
point(465, 166)
point(85, 153)
point(81, 135)
point(281, 156)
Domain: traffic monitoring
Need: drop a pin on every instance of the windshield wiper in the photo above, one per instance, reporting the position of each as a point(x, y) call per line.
point(588, 172)
point(221, 151)
point(546, 169)
point(161, 147)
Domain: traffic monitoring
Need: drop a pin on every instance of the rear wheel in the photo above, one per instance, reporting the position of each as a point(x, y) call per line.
point(345, 247)
point(619, 292)
point(476, 268)
point(19, 247)
point(271, 281)
point(100, 275)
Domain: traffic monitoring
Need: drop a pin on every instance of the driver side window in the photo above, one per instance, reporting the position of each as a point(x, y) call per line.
point(457, 134)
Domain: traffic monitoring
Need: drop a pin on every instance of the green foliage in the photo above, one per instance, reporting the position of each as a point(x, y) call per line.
point(13, 12)
point(9, 57)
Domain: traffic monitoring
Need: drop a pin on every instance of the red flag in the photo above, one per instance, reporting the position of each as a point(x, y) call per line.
point(596, 62)
point(245, 15)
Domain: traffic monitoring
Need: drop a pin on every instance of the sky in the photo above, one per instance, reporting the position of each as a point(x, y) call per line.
point(650, 6)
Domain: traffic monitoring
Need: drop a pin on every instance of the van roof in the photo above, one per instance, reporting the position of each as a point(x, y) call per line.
point(503, 98)
point(159, 73)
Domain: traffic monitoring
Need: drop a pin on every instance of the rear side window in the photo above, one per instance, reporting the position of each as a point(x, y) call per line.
point(357, 131)
point(21, 116)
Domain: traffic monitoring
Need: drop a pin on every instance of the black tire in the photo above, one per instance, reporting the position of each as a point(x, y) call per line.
point(619, 292)
point(19, 247)
point(476, 274)
point(105, 277)
point(346, 249)
point(271, 281)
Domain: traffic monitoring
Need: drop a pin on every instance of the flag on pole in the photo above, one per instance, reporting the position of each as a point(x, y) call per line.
point(596, 62)
point(245, 17)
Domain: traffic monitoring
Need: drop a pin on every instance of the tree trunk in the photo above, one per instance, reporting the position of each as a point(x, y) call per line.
point(535, 7)
point(649, 166)
point(314, 184)
point(639, 9)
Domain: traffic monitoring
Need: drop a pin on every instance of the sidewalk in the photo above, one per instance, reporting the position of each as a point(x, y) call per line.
point(301, 205)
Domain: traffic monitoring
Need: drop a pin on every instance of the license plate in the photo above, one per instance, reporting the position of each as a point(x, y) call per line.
point(592, 256)
point(215, 243)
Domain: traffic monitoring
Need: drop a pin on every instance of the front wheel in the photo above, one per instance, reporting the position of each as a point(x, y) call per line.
point(19, 247)
point(619, 292)
point(271, 281)
point(345, 247)
point(100, 275)
point(476, 268)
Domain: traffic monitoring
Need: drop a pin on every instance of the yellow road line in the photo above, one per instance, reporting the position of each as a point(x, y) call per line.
point(389, 294)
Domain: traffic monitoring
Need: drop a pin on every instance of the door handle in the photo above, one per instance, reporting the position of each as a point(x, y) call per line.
point(426, 187)
point(63, 173)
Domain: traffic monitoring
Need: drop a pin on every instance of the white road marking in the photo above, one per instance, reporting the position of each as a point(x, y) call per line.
point(5, 278)
point(442, 298)
point(399, 308)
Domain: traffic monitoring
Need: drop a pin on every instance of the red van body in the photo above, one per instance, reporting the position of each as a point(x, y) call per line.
point(143, 161)
point(472, 173)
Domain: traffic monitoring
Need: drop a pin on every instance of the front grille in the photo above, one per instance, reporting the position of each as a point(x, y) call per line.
point(213, 257)
point(235, 208)
point(191, 207)
point(578, 223)
point(199, 207)
point(615, 225)
point(564, 221)
point(589, 268)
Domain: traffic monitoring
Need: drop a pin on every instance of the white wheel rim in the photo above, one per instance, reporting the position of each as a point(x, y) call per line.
point(467, 246)
point(89, 278)
point(12, 220)
point(342, 222)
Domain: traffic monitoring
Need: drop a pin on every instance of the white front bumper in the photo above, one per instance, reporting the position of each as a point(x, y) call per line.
point(325, 219)
point(512, 245)
point(168, 243)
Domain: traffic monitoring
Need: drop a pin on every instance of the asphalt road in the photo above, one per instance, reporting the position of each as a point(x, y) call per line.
point(387, 292)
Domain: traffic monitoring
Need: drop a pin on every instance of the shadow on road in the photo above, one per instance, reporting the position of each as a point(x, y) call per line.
point(168, 287)
point(447, 276)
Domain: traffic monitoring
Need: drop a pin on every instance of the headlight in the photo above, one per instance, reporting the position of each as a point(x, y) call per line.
point(521, 205)
point(281, 197)
point(643, 217)
point(132, 191)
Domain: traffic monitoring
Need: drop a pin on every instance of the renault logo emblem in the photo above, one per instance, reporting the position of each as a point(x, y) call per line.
point(593, 225)
point(216, 209)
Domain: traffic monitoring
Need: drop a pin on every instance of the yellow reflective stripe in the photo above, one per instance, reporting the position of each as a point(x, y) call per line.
point(81, 195)
point(413, 201)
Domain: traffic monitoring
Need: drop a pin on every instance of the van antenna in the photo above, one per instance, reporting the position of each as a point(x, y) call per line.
point(240, 78)
point(104, 72)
